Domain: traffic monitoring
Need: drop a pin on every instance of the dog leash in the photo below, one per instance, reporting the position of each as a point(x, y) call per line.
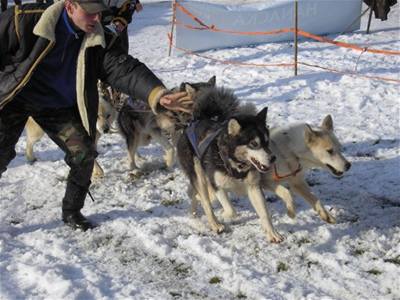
point(90, 194)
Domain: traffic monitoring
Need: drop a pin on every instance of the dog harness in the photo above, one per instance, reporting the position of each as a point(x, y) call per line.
point(200, 147)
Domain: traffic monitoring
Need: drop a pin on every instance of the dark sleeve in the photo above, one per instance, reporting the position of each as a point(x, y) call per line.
point(8, 38)
point(126, 73)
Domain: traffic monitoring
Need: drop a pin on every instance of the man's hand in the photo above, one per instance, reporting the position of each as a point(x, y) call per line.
point(177, 102)
point(139, 6)
point(119, 27)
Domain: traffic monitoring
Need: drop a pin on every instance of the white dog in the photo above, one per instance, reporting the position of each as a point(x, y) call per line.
point(299, 148)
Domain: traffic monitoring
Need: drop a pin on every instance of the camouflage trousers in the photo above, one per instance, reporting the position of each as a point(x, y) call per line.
point(64, 127)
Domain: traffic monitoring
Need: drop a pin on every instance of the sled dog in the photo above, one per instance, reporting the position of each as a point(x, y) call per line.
point(298, 148)
point(226, 150)
point(106, 115)
point(139, 125)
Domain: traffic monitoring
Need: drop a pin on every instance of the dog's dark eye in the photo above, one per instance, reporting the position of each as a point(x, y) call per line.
point(108, 116)
point(254, 145)
point(330, 151)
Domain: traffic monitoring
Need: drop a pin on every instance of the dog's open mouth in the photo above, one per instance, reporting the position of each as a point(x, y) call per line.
point(334, 171)
point(259, 166)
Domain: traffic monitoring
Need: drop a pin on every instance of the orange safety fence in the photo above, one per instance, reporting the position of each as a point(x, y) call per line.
point(350, 73)
point(278, 31)
point(232, 62)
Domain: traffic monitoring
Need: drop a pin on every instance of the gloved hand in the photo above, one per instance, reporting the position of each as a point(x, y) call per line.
point(177, 101)
point(113, 28)
point(118, 26)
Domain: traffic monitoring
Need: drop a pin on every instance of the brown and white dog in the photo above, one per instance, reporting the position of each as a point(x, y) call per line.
point(139, 125)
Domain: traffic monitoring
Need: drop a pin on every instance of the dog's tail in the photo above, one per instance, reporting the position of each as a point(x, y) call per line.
point(126, 120)
point(217, 104)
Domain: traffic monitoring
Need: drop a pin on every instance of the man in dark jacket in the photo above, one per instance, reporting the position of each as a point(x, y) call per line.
point(51, 58)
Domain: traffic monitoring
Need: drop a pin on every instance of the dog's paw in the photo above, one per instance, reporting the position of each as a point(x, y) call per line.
point(324, 214)
point(327, 217)
point(97, 174)
point(291, 211)
point(135, 174)
point(229, 215)
point(31, 160)
point(97, 171)
point(275, 237)
point(133, 166)
point(169, 158)
point(218, 228)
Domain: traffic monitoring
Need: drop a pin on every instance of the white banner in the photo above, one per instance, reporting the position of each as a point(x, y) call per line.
point(315, 16)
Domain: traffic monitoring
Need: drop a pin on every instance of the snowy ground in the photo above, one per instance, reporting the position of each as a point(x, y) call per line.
point(148, 247)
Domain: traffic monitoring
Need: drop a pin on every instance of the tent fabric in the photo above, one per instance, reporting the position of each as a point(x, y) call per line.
point(381, 7)
point(315, 16)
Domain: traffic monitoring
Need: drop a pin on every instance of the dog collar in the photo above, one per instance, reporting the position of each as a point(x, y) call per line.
point(278, 177)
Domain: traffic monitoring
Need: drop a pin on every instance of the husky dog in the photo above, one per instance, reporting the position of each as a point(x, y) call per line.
point(299, 148)
point(225, 150)
point(106, 115)
point(139, 125)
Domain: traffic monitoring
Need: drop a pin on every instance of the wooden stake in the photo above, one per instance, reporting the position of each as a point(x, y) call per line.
point(296, 26)
point(171, 36)
point(370, 15)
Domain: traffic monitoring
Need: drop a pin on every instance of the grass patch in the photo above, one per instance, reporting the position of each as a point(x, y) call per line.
point(175, 294)
point(395, 260)
point(182, 270)
point(311, 263)
point(374, 272)
point(169, 202)
point(215, 280)
point(358, 252)
point(303, 241)
point(282, 267)
point(241, 296)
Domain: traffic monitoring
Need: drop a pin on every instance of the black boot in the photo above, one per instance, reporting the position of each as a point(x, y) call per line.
point(72, 204)
point(76, 220)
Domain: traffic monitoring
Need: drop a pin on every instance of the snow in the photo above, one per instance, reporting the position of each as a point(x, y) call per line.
point(149, 247)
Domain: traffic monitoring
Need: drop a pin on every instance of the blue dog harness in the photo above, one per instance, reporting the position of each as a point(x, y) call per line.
point(200, 147)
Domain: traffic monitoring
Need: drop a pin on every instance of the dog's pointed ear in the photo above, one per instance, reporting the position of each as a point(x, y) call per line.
point(309, 134)
point(262, 115)
point(212, 81)
point(190, 90)
point(327, 123)
point(233, 127)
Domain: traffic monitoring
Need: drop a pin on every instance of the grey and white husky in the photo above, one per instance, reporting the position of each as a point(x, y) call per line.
point(139, 125)
point(225, 150)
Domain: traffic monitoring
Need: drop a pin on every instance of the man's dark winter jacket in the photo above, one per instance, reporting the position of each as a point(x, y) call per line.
point(27, 33)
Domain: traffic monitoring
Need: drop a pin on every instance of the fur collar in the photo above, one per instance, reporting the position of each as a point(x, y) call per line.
point(46, 25)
